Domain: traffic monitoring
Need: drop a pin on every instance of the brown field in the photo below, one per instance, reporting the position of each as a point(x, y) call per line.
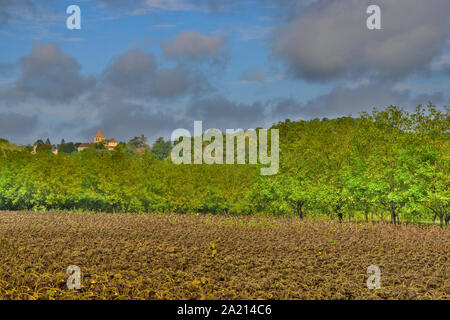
point(217, 257)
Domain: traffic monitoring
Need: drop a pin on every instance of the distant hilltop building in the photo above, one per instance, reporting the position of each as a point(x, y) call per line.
point(110, 144)
point(83, 146)
point(39, 143)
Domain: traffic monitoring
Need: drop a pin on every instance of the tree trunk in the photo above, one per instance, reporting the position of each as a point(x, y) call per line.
point(300, 211)
point(392, 211)
point(441, 220)
point(337, 209)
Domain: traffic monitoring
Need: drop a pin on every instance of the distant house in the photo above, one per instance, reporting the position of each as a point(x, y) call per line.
point(39, 143)
point(55, 149)
point(110, 144)
point(83, 146)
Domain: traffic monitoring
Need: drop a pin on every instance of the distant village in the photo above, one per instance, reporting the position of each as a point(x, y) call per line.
point(109, 144)
point(160, 149)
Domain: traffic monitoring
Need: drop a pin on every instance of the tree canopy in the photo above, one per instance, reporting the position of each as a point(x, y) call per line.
point(389, 163)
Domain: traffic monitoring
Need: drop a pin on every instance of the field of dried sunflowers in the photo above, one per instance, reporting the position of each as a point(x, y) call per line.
point(217, 257)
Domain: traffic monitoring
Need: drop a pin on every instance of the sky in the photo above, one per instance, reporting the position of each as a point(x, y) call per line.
point(152, 66)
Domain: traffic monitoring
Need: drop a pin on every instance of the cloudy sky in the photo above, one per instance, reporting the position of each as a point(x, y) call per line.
point(152, 66)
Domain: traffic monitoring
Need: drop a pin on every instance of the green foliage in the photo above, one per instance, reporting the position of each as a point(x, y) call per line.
point(161, 149)
point(44, 148)
point(138, 142)
point(68, 147)
point(387, 163)
point(99, 146)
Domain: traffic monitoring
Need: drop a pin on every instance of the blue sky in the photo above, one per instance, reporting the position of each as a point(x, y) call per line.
point(151, 66)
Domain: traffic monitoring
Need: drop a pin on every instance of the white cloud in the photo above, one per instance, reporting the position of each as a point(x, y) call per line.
point(441, 63)
point(329, 39)
point(194, 45)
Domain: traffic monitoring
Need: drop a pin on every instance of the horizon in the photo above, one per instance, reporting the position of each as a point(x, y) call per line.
point(150, 143)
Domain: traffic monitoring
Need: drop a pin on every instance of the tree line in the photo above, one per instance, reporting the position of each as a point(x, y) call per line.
point(160, 148)
point(386, 164)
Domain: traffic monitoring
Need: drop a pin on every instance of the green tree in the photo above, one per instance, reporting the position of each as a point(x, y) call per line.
point(161, 149)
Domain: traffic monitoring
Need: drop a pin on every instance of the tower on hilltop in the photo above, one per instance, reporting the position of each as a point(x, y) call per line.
point(100, 137)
